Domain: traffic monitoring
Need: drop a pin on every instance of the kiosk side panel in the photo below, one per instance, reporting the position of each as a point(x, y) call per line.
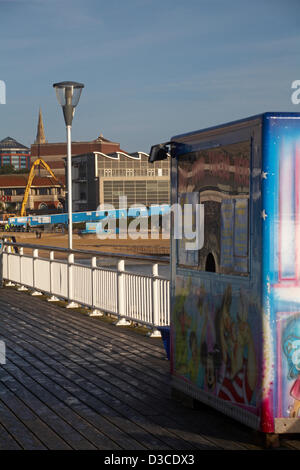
point(216, 324)
point(281, 271)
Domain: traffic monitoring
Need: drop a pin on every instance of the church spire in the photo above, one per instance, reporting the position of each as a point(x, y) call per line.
point(40, 136)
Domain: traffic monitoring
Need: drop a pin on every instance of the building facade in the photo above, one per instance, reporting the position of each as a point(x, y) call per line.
point(45, 194)
point(102, 172)
point(15, 154)
point(99, 178)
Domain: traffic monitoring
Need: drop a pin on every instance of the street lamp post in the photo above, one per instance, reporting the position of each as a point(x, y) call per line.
point(68, 94)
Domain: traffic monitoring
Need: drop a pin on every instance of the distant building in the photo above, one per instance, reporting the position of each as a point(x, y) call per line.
point(102, 171)
point(15, 154)
point(55, 152)
point(45, 193)
point(100, 178)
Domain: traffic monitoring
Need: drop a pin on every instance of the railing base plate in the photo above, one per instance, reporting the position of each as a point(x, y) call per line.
point(154, 334)
point(122, 322)
point(53, 299)
point(22, 288)
point(96, 313)
point(72, 305)
point(36, 292)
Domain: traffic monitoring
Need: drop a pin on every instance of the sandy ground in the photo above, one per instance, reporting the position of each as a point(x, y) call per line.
point(147, 247)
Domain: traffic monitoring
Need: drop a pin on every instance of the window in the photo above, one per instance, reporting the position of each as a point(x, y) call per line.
point(218, 179)
point(15, 162)
point(23, 162)
point(108, 172)
point(82, 170)
point(6, 160)
point(43, 191)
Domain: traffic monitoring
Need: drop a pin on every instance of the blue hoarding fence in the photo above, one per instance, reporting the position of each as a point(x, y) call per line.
point(88, 216)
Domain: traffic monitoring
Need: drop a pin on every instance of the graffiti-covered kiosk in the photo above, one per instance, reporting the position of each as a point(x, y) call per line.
point(235, 326)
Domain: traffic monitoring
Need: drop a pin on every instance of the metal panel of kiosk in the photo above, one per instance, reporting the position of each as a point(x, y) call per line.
point(281, 272)
point(235, 324)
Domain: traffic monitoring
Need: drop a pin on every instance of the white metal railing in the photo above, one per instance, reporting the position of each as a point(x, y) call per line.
point(131, 296)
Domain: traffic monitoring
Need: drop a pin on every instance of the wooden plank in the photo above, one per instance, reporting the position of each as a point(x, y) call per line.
point(7, 442)
point(173, 439)
point(151, 412)
point(24, 437)
point(210, 444)
point(29, 418)
point(233, 445)
point(78, 394)
point(112, 339)
point(94, 359)
point(110, 386)
point(55, 400)
point(105, 348)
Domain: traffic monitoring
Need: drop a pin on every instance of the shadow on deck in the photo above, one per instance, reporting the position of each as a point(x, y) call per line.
point(75, 382)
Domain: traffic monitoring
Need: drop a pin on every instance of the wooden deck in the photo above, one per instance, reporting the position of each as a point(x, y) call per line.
point(75, 382)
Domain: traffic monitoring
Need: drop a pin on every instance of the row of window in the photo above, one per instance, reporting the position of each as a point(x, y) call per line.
point(108, 172)
point(155, 200)
point(16, 161)
point(142, 185)
point(130, 163)
point(137, 192)
point(33, 191)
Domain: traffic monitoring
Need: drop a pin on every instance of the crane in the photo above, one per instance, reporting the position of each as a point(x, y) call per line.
point(37, 162)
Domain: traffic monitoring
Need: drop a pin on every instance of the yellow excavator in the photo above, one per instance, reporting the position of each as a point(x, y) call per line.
point(36, 163)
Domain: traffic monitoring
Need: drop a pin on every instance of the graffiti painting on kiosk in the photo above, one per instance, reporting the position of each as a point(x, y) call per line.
point(215, 346)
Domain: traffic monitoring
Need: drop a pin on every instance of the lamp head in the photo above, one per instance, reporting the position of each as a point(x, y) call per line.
point(68, 94)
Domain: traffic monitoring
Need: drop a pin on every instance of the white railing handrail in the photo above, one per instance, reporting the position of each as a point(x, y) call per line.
point(130, 296)
point(98, 254)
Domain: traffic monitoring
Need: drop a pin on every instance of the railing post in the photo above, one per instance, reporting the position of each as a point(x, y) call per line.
point(155, 302)
point(22, 287)
point(10, 283)
point(71, 303)
point(1, 261)
point(53, 298)
point(95, 311)
point(35, 255)
point(121, 295)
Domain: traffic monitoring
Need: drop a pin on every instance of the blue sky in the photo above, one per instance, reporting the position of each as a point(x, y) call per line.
point(151, 68)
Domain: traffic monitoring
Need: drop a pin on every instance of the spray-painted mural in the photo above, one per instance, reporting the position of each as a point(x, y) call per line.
point(288, 403)
point(215, 346)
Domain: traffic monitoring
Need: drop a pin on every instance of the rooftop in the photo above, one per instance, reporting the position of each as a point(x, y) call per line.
point(10, 143)
point(20, 181)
